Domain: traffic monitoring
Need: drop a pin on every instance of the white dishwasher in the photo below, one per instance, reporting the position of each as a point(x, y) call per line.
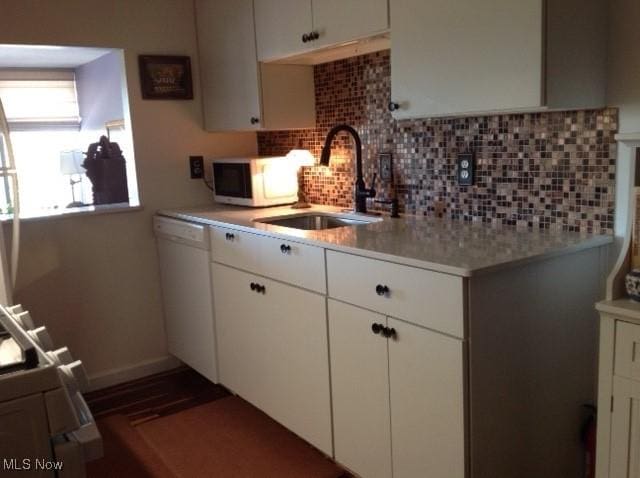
point(183, 250)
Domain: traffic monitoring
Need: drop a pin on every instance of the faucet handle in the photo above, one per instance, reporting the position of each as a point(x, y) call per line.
point(393, 202)
point(372, 190)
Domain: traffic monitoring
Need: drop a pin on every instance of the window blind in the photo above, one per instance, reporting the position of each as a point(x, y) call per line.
point(39, 99)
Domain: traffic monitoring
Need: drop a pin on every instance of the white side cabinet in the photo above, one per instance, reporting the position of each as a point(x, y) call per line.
point(239, 93)
point(285, 28)
point(618, 441)
point(469, 56)
point(398, 397)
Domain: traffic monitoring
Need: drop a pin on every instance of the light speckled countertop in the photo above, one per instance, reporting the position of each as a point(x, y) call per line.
point(453, 247)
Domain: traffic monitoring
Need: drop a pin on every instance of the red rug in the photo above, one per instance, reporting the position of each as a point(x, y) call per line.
point(225, 438)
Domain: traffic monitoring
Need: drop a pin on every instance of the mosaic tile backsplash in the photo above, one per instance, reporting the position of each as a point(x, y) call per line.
point(551, 170)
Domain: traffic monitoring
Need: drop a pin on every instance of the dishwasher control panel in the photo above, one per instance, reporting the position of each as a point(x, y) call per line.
point(174, 228)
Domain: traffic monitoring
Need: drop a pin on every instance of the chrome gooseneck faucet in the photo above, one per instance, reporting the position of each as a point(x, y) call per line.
point(361, 193)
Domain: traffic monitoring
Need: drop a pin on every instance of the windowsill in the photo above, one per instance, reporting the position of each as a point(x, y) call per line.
point(74, 212)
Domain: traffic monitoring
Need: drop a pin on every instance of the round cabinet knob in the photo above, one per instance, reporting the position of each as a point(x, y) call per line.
point(285, 248)
point(305, 38)
point(376, 328)
point(229, 236)
point(389, 332)
point(253, 286)
point(393, 106)
point(314, 36)
point(261, 289)
point(382, 290)
point(255, 120)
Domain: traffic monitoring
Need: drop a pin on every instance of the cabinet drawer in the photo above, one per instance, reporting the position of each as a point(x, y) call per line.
point(292, 262)
point(235, 248)
point(426, 298)
point(298, 264)
point(627, 356)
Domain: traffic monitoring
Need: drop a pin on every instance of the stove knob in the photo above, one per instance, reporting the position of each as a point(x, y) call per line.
point(25, 320)
point(41, 337)
point(76, 369)
point(15, 309)
point(70, 382)
point(60, 356)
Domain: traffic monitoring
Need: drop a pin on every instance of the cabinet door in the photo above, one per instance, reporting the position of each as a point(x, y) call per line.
point(240, 329)
point(24, 435)
point(427, 403)
point(229, 68)
point(360, 391)
point(186, 296)
point(273, 351)
point(627, 355)
point(625, 429)
point(338, 21)
point(452, 57)
point(280, 25)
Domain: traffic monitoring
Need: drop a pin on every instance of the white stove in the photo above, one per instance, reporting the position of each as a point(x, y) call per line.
point(46, 427)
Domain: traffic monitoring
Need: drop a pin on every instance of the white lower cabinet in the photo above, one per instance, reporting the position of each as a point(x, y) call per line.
point(625, 429)
point(427, 403)
point(273, 350)
point(618, 440)
point(360, 391)
point(398, 402)
point(188, 316)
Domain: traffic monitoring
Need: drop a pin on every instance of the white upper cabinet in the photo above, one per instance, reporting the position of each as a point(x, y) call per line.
point(280, 25)
point(473, 56)
point(238, 93)
point(230, 75)
point(337, 21)
point(286, 28)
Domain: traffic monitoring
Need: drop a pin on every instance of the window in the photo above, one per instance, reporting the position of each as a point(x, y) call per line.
point(54, 114)
point(39, 99)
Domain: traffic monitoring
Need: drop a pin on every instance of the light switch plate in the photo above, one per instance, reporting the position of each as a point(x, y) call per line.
point(386, 167)
point(466, 167)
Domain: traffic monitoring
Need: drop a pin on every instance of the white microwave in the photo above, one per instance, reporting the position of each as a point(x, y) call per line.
point(255, 182)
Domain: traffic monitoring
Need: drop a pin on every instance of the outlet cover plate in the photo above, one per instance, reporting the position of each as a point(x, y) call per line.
point(466, 167)
point(196, 167)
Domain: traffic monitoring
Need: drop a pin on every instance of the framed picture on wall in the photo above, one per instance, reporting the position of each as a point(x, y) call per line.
point(165, 77)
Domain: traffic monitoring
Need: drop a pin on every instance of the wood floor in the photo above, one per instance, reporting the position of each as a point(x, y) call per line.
point(155, 396)
point(222, 433)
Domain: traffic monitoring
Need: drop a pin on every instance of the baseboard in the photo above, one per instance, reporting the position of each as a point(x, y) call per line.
point(132, 372)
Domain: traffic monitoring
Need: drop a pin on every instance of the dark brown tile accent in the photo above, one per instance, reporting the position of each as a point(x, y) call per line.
point(552, 170)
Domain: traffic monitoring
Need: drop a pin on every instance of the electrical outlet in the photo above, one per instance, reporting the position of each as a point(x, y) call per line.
point(465, 169)
point(196, 167)
point(386, 167)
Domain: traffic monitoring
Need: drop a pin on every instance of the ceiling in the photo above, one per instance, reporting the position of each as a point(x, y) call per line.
point(39, 56)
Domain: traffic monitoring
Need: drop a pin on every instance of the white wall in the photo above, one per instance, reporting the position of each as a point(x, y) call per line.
point(624, 62)
point(99, 86)
point(94, 280)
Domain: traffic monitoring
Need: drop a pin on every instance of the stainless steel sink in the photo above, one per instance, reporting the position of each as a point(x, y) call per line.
point(316, 221)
